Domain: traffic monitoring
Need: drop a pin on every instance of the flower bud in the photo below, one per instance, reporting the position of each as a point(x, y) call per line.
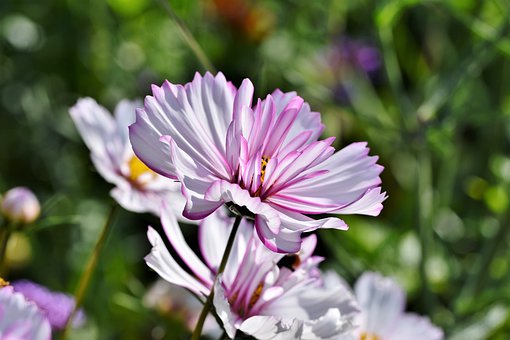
point(20, 205)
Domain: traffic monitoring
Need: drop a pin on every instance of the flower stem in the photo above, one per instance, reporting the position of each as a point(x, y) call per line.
point(3, 247)
point(89, 270)
point(208, 303)
point(188, 37)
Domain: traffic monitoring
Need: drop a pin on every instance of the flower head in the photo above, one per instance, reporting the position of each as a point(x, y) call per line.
point(265, 160)
point(21, 319)
point(57, 307)
point(137, 188)
point(256, 294)
point(382, 303)
point(20, 205)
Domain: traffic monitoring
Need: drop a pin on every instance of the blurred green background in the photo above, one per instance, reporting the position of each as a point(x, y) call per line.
point(426, 83)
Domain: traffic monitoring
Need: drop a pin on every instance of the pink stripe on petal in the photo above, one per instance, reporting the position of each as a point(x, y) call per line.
point(160, 260)
point(276, 136)
point(295, 221)
point(369, 204)
point(283, 242)
point(174, 235)
point(242, 99)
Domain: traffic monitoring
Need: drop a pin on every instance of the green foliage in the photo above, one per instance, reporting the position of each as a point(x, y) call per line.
point(438, 115)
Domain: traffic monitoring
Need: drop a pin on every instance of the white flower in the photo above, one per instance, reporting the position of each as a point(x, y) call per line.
point(137, 188)
point(382, 304)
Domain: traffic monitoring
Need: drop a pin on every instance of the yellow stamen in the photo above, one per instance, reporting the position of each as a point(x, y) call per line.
point(3, 283)
point(138, 168)
point(256, 295)
point(263, 164)
point(369, 336)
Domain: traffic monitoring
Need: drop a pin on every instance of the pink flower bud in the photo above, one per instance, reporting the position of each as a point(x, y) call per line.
point(20, 205)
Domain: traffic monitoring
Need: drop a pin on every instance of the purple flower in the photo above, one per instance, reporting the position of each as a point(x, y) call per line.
point(264, 160)
point(20, 319)
point(382, 303)
point(137, 188)
point(20, 205)
point(255, 294)
point(57, 307)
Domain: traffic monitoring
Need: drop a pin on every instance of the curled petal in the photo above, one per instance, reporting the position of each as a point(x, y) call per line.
point(160, 260)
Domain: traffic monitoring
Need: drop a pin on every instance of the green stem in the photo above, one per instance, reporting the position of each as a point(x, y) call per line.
point(424, 213)
point(208, 303)
point(3, 247)
point(89, 270)
point(188, 37)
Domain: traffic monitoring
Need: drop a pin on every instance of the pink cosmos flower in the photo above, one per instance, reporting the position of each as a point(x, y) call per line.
point(382, 304)
point(20, 319)
point(265, 160)
point(137, 188)
point(256, 293)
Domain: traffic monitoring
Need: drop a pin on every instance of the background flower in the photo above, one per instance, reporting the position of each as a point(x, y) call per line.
point(137, 188)
point(20, 319)
point(382, 303)
point(20, 205)
point(55, 306)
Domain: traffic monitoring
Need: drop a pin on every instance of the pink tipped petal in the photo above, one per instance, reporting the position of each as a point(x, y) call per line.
point(243, 99)
point(351, 174)
point(147, 146)
point(195, 181)
point(264, 115)
point(369, 204)
point(212, 102)
point(307, 247)
point(283, 242)
point(295, 221)
point(306, 119)
point(174, 234)
point(181, 113)
point(277, 135)
point(160, 260)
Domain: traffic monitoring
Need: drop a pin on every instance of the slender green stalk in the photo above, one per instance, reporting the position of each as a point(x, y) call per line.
point(3, 247)
point(188, 37)
point(89, 269)
point(208, 303)
point(424, 214)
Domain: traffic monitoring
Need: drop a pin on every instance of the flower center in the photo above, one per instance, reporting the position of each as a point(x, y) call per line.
point(239, 304)
point(3, 283)
point(369, 336)
point(136, 169)
point(256, 295)
point(263, 164)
